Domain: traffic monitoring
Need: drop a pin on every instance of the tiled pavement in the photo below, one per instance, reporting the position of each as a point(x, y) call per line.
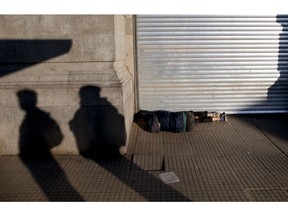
point(243, 159)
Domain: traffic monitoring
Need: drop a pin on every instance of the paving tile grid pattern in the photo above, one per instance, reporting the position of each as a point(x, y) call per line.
point(243, 159)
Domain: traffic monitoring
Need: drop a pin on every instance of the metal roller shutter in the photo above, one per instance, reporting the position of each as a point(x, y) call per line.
point(236, 64)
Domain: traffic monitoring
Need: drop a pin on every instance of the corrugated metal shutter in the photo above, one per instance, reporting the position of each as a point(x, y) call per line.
point(236, 64)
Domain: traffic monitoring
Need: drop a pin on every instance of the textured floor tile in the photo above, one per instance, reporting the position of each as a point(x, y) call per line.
point(23, 197)
point(147, 162)
point(18, 183)
point(226, 195)
point(183, 162)
point(148, 143)
point(274, 161)
point(105, 181)
point(78, 163)
point(256, 178)
point(149, 186)
point(63, 160)
point(204, 143)
point(79, 180)
point(116, 165)
point(267, 194)
point(105, 196)
point(11, 163)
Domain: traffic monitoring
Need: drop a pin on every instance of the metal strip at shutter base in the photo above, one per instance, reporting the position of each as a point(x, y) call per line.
point(235, 64)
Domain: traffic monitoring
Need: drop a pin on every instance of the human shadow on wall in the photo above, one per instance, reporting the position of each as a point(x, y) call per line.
point(16, 55)
point(38, 134)
point(278, 93)
point(276, 102)
point(100, 131)
point(98, 127)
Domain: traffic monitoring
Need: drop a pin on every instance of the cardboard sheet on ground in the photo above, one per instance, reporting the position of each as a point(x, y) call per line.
point(168, 177)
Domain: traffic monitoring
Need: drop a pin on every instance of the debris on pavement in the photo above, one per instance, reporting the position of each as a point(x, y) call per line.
point(168, 177)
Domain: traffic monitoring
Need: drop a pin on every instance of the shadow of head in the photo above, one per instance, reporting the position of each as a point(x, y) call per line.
point(89, 95)
point(27, 99)
point(97, 126)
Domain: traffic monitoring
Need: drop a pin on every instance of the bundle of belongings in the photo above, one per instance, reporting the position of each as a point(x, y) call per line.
point(201, 117)
point(156, 121)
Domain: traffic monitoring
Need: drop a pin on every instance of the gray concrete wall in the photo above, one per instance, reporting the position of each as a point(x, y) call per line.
point(55, 56)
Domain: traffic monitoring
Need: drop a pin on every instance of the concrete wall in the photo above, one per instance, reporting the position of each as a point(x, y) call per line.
point(55, 56)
